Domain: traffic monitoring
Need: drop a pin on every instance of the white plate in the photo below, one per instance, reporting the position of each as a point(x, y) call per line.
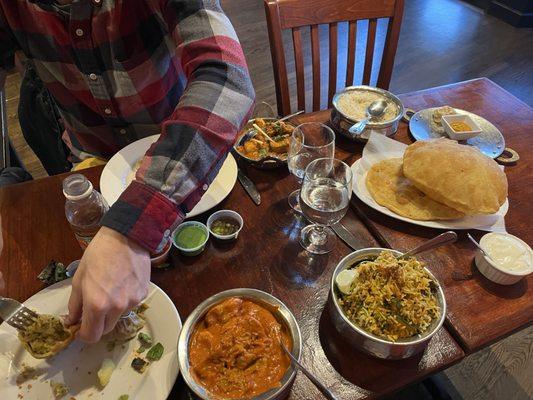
point(114, 179)
point(77, 365)
point(482, 222)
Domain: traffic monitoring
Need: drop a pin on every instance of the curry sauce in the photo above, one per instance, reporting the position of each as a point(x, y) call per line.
point(235, 350)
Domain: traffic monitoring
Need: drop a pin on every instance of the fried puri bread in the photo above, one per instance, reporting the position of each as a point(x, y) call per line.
point(390, 188)
point(456, 175)
point(47, 336)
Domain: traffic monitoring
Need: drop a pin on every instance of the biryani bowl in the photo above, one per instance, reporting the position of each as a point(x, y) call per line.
point(367, 342)
point(279, 310)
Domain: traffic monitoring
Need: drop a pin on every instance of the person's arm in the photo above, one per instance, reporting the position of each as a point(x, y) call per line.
point(197, 137)
point(115, 269)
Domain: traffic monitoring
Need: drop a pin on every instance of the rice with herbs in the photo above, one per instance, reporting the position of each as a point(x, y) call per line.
point(390, 298)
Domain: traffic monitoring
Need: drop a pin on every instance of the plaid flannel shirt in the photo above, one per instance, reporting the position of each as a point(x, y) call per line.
point(121, 70)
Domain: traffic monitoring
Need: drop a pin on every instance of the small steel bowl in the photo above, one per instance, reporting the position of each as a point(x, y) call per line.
point(268, 162)
point(278, 309)
point(367, 342)
point(341, 123)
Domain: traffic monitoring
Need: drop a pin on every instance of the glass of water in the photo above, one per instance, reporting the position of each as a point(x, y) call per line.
point(324, 198)
point(309, 141)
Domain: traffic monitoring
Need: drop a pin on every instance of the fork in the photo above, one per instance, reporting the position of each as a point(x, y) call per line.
point(16, 314)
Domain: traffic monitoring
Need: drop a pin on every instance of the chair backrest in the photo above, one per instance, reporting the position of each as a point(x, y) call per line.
point(296, 15)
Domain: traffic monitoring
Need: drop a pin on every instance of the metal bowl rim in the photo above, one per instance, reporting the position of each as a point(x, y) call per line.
point(284, 314)
point(366, 88)
point(370, 251)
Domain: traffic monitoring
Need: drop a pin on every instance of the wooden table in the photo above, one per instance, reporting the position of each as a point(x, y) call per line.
point(480, 312)
point(267, 256)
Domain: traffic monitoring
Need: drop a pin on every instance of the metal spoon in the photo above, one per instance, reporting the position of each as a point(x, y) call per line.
point(290, 116)
point(471, 238)
point(437, 241)
point(319, 385)
point(375, 109)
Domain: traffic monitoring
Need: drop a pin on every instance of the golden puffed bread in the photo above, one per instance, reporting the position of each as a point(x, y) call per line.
point(457, 175)
point(390, 188)
point(62, 337)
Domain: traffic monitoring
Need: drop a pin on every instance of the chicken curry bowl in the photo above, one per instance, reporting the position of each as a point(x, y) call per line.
point(265, 139)
point(235, 349)
point(46, 336)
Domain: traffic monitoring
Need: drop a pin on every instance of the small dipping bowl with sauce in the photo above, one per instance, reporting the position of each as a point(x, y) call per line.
point(159, 260)
point(190, 238)
point(460, 127)
point(233, 313)
point(511, 258)
point(225, 225)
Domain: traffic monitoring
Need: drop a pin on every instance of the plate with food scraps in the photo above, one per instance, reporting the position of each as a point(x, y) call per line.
point(264, 142)
point(490, 141)
point(380, 148)
point(75, 369)
point(120, 171)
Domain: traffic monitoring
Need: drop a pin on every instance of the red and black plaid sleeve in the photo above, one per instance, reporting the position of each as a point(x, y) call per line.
point(196, 138)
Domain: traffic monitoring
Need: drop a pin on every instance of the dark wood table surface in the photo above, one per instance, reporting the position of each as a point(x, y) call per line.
point(268, 256)
point(480, 312)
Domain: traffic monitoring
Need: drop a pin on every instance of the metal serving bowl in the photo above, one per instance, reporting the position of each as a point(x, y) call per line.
point(341, 123)
point(278, 309)
point(367, 342)
point(268, 162)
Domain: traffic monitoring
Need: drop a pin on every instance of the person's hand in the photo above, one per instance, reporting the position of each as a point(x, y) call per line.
point(112, 278)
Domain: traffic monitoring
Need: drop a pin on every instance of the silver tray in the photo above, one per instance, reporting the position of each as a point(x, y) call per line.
point(490, 141)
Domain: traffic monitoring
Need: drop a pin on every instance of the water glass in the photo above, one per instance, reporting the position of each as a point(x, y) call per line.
point(324, 199)
point(309, 141)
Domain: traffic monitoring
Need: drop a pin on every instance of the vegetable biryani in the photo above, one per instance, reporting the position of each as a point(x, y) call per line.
point(391, 298)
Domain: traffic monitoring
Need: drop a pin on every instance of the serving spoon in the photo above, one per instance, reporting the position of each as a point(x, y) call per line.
point(319, 385)
point(375, 109)
point(437, 241)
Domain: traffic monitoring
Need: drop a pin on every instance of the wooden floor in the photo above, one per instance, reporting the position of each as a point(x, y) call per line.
point(441, 41)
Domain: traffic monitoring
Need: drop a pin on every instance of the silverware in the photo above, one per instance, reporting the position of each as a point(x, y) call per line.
point(375, 109)
point(471, 238)
point(16, 314)
point(319, 385)
point(437, 241)
point(346, 236)
point(249, 186)
point(291, 115)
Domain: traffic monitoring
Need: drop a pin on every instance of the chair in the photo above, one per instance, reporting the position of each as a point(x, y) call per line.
point(298, 14)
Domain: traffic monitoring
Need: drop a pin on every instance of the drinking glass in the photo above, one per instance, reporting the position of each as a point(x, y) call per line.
point(324, 198)
point(309, 141)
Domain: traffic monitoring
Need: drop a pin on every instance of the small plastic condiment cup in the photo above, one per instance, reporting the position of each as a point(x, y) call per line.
point(493, 271)
point(225, 214)
point(194, 251)
point(159, 259)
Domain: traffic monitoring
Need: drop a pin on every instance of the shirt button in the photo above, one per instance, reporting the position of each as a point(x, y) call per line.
point(122, 131)
point(79, 32)
point(93, 77)
point(107, 111)
point(205, 187)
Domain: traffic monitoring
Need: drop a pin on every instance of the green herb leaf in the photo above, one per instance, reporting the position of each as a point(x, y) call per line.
point(124, 397)
point(145, 339)
point(156, 352)
point(139, 365)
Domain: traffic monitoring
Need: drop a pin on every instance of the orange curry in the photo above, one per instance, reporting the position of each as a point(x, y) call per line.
point(235, 350)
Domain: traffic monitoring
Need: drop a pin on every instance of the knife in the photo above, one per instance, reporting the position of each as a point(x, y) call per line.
point(249, 186)
point(346, 236)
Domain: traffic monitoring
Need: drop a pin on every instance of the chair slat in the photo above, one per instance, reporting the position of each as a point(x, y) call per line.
point(352, 34)
point(391, 43)
point(315, 54)
point(299, 66)
point(332, 61)
point(369, 54)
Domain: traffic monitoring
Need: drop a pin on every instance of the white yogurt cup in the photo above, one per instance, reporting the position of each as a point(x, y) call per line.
point(500, 269)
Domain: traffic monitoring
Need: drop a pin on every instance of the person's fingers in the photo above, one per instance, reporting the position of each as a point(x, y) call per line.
point(74, 306)
point(92, 322)
point(119, 307)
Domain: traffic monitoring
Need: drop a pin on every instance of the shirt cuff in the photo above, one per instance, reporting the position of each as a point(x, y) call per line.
point(144, 215)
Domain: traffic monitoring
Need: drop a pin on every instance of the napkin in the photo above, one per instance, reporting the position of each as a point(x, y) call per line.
point(380, 147)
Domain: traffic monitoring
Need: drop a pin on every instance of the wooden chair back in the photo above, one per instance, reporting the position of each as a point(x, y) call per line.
point(298, 14)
